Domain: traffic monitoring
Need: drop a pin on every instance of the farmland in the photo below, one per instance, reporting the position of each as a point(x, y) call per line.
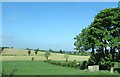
point(18, 62)
point(17, 55)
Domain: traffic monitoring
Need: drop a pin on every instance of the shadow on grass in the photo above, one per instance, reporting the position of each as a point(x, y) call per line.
point(118, 70)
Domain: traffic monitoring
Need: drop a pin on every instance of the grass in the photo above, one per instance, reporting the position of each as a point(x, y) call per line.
point(42, 68)
point(18, 62)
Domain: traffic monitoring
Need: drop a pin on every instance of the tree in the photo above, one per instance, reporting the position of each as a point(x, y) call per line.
point(47, 54)
point(50, 50)
point(85, 41)
point(60, 51)
point(36, 51)
point(108, 24)
point(66, 57)
point(1, 49)
point(27, 49)
point(102, 36)
point(29, 52)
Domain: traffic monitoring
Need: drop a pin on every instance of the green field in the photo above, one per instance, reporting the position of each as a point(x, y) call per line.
point(18, 62)
point(42, 68)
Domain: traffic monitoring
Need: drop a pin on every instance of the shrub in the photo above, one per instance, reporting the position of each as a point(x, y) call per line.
point(72, 64)
point(47, 54)
point(69, 64)
point(29, 52)
point(64, 63)
point(58, 63)
point(83, 65)
point(49, 60)
point(91, 61)
point(106, 64)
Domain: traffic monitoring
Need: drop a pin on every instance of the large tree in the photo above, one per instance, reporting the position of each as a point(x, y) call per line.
point(108, 23)
point(102, 36)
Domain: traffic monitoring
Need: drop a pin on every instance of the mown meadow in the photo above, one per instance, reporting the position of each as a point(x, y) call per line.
point(42, 68)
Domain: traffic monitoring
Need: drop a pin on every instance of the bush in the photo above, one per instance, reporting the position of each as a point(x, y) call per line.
point(91, 61)
point(49, 60)
point(106, 64)
point(58, 63)
point(64, 63)
point(72, 64)
point(77, 65)
point(83, 65)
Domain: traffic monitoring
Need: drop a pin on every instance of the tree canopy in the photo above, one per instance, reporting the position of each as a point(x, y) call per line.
point(102, 36)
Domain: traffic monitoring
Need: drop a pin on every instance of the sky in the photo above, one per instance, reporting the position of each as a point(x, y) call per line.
point(47, 25)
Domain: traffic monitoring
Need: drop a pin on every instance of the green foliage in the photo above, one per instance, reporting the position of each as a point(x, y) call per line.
point(72, 64)
point(50, 50)
point(27, 49)
point(2, 48)
point(83, 53)
point(102, 37)
point(36, 51)
point(29, 52)
point(61, 51)
point(91, 61)
point(83, 65)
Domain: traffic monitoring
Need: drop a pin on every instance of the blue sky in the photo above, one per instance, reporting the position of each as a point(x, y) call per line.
point(49, 25)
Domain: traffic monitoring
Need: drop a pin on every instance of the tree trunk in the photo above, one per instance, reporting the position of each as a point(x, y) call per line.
point(113, 53)
point(102, 49)
point(105, 50)
point(66, 59)
point(111, 50)
point(93, 52)
point(119, 51)
point(47, 58)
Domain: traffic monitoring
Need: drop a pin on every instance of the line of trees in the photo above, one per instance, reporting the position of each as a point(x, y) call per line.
point(102, 37)
point(2, 48)
point(60, 51)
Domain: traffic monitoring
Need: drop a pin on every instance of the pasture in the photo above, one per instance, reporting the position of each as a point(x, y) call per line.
point(18, 54)
point(18, 62)
point(42, 68)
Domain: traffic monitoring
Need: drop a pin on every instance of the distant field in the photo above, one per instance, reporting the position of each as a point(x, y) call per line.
point(42, 68)
point(17, 54)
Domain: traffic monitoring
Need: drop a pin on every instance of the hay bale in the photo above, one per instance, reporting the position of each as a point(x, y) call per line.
point(93, 68)
point(96, 67)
